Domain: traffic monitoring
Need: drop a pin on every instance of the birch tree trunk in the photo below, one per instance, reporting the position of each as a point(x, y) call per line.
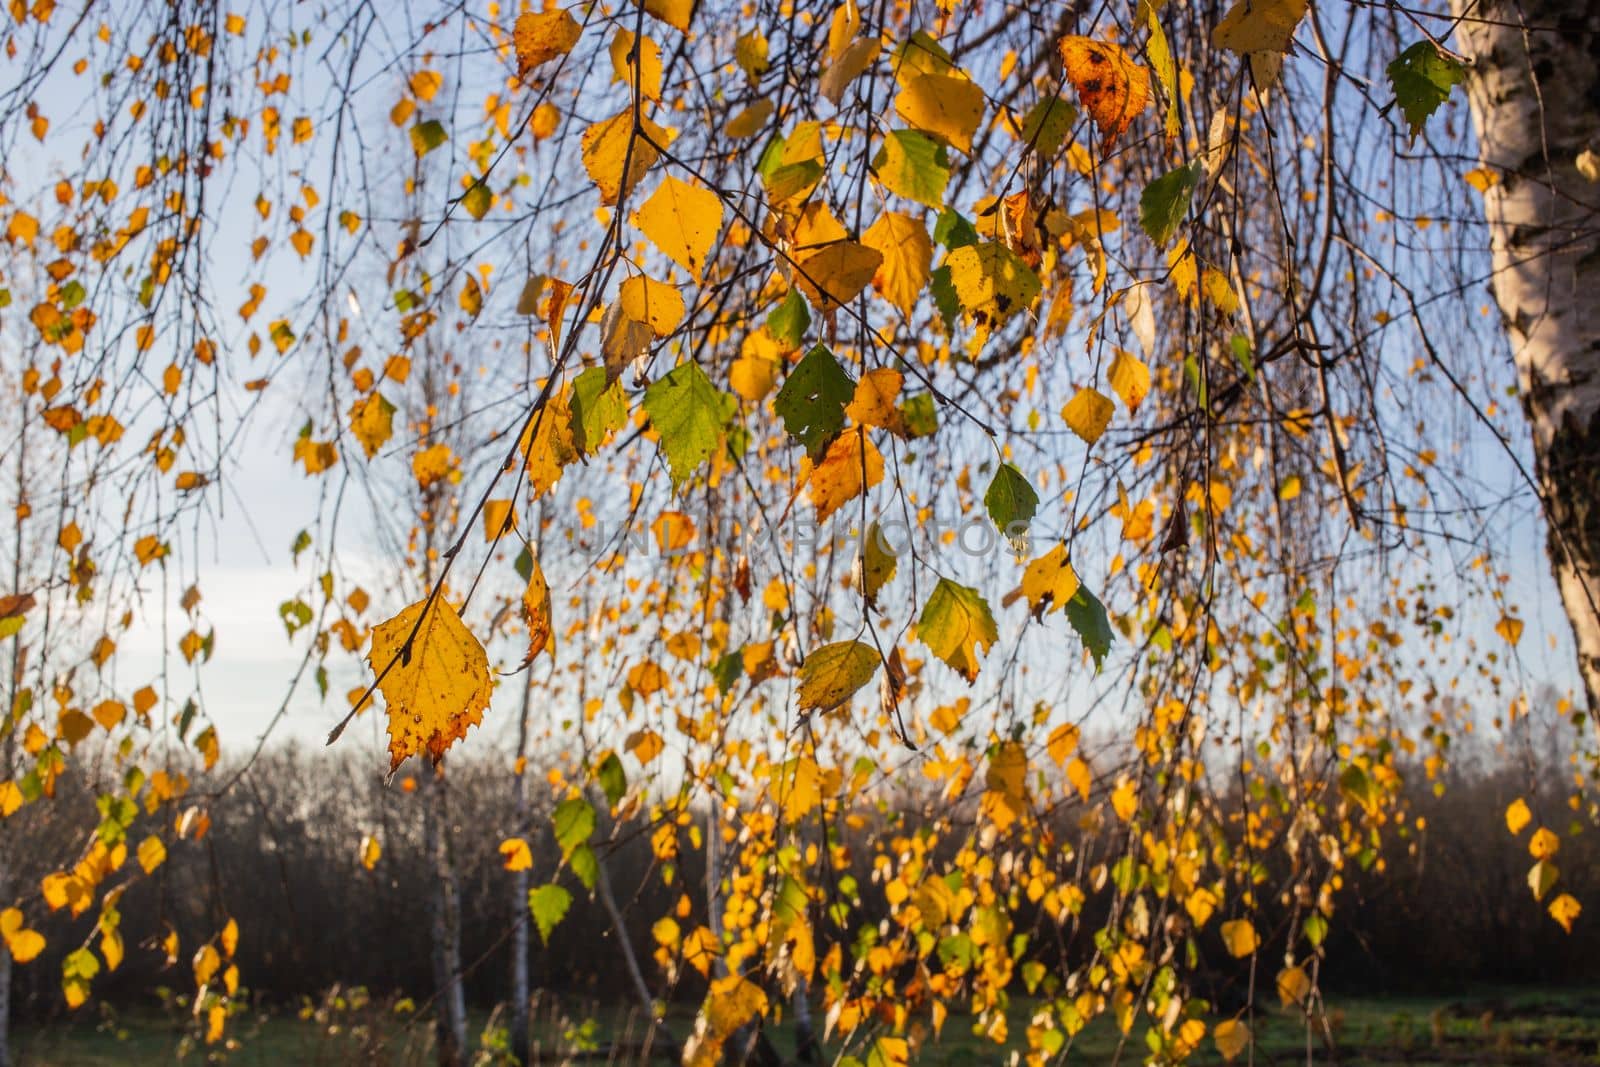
point(5, 987)
point(1534, 91)
point(450, 1025)
point(519, 890)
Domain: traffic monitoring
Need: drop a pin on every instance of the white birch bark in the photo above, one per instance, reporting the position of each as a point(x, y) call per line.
point(1534, 90)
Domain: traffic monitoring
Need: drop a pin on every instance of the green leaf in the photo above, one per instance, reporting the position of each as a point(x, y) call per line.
point(574, 823)
point(789, 322)
point(80, 963)
point(1010, 499)
point(549, 905)
point(1358, 788)
point(524, 564)
point(1047, 125)
point(944, 297)
point(793, 181)
point(813, 399)
point(690, 414)
point(1088, 617)
point(956, 625)
point(1165, 202)
point(426, 136)
point(584, 865)
point(920, 416)
point(599, 409)
point(913, 165)
point(1422, 77)
point(726, 671)
point(1241, 352)
point(833, 673)
point(952, 230)
point(613, 779)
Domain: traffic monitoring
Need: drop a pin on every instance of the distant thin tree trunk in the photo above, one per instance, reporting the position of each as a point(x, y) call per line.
point(445, 920)
point(1535, 97)
point(5, 983)
point(807, 1049)
point(8, 766)
point(519, 891)
point(641, 989)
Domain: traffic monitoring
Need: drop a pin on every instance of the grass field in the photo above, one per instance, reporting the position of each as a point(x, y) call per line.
point(1514, 1027)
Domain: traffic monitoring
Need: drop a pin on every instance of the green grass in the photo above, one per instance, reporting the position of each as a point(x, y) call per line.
point(1513, 1027)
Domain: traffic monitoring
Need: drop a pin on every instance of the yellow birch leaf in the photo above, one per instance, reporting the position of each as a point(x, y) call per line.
point(750, 121)
point(1129, 378)
point(1232, 1037)
point(1088, 413)
point(152, 853)
point(874, 400)
point(681, 220)
point(1062, 742)
point(948, 106)
point(1293, 985)
point(675, 13)
point(850, 467)
point(833, 673)
point(1240, 937)
point(835, 274)
point(649, 301)
point(1543, 844)
point(371, 851)
point(536, 612)
point(540, 36)
point(907, 258)
point(1565, 910)
point(372, 422)
point(437, 687)
point(605, 148)
point(1259, 26)
point(498, 519)
point(1518, 816)
point(1079, 777)
point(519, 857)
point(1049, 582)
point(649, 54)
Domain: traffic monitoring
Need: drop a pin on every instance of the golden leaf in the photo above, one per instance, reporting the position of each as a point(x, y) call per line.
point(1231, 1037)
point(835, 274)
point(1087, 414)
point(1129, 378)
point(851, 466)
point(1565, 909)
point(1240, 937)
point(605, 148)
point(873, 403)
point(682, 220)
point(948, 106)
point(907, 254)
point(1518, 816)
point(656, 303)
point(1049, 582)
point(541, 36)
point(519, 857)
point(536, 612)
point(436, 687)
point(372, 421)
